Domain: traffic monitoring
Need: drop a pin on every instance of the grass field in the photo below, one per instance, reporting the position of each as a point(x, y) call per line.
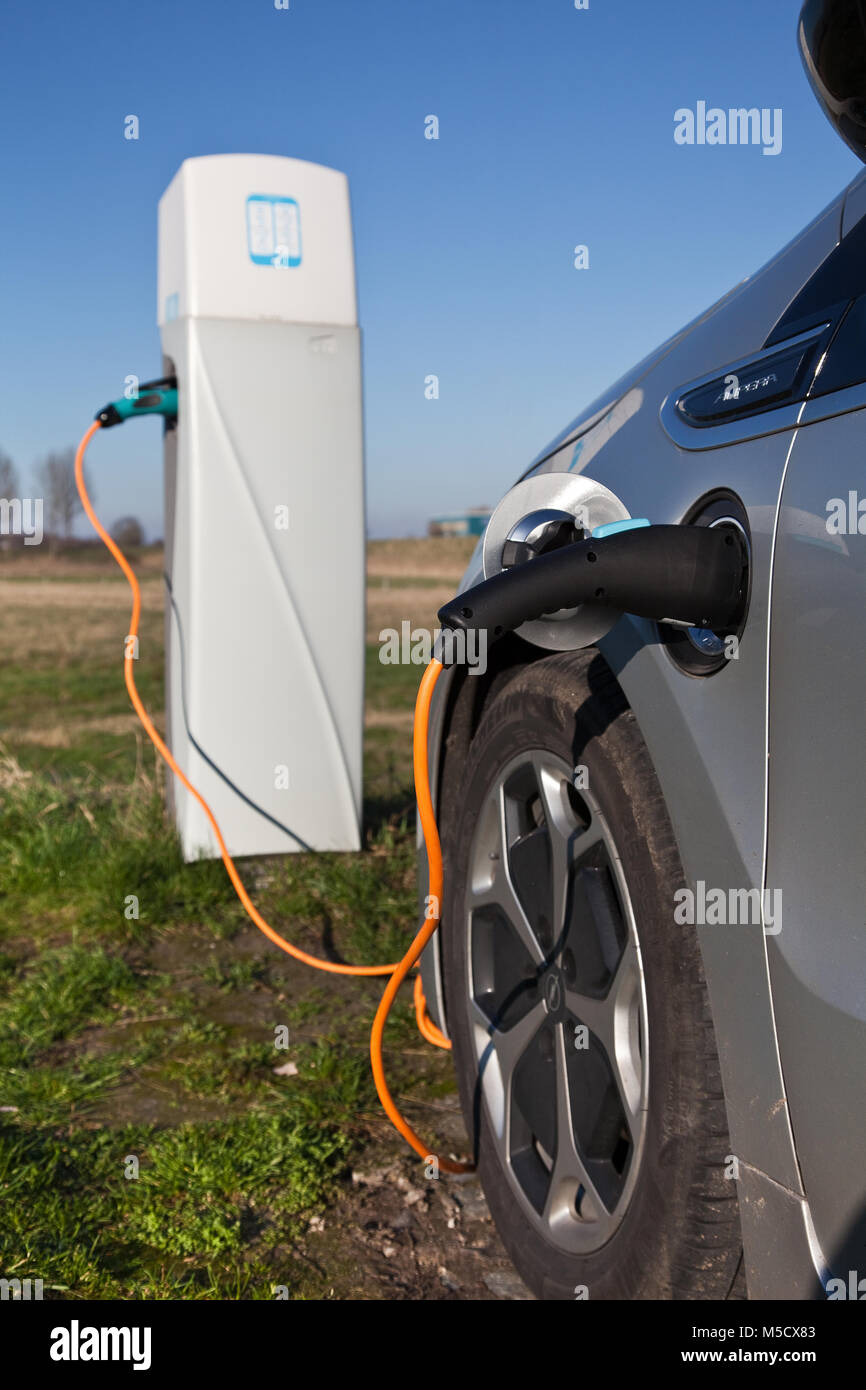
point(154, 1142)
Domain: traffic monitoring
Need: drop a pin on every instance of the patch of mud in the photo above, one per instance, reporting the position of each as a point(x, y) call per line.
point(396, 1235)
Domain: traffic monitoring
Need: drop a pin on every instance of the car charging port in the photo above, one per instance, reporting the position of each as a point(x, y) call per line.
point(704, 651)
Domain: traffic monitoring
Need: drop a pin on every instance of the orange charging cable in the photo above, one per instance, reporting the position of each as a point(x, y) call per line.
point(397, 972)
point(432, 917)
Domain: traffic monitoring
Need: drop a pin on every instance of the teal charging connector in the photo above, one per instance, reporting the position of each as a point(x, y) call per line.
point(153, 398)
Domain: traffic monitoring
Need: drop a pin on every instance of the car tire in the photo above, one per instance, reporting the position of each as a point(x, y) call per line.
point(647, 1137)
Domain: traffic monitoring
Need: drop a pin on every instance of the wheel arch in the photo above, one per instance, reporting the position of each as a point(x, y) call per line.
point(459, 704)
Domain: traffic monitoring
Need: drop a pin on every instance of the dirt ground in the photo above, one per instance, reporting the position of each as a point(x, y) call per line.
point(392, 1238)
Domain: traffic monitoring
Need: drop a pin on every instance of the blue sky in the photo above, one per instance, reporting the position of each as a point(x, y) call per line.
point(556, 128)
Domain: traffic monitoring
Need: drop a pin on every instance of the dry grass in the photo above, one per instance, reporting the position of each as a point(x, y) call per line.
point(66, 593)
point(12, 774)
point(388, 608)
point(78, 562)
point(71, 731)
point(440, 557)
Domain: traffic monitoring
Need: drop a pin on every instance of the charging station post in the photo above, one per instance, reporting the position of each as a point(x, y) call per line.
point(264, 504)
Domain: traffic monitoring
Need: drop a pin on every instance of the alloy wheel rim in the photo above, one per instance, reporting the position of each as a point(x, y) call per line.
point(557, 1001)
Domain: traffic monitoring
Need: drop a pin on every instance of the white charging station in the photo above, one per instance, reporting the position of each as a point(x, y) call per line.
point(264, 515)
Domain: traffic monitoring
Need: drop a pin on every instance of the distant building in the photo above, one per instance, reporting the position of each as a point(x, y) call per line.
point(468, 523)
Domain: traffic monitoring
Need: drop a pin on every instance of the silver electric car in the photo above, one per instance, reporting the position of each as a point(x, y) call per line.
point(652, 963)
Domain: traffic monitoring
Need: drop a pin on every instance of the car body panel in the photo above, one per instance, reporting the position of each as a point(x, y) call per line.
point(816, 856)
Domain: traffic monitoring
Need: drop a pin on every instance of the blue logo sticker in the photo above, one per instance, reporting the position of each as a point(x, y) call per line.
point(273, 230)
